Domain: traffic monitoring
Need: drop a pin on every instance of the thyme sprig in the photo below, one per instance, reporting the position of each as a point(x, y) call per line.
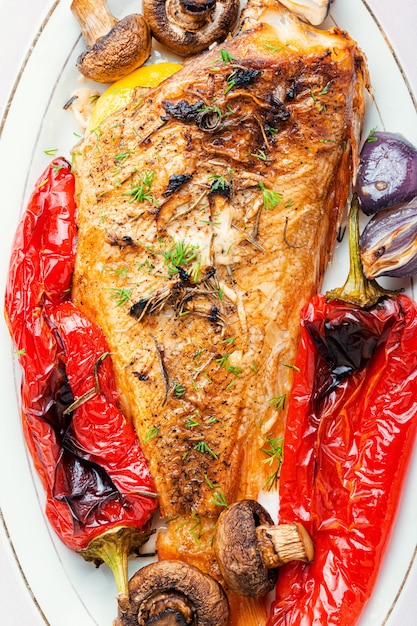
point(94, 391)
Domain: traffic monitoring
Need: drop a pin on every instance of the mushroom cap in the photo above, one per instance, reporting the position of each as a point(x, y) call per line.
point(125, 48)
point(173, 592)
point(187, 27)
point(237, 549)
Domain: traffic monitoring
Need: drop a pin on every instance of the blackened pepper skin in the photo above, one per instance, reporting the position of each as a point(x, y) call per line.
point(350, 433)
point(99, 492)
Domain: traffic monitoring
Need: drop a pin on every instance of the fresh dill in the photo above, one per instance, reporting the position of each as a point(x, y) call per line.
point(278, 402)
point(226, 57)
point(121, 295)
point(271, 198)
point(204, 448)
point(208, 109)
point(372, 137)
point(151, 433)
point(273, 448)
point(140, 190)
point(219, 499)
point(224, 361)
point(219, 182)
point(121, 272)
point(122, 156)
point(178, 390)
point(231, 82)
point(191, 422)
point(273, 49)
point(292, 367)
point(181, 254)
point(324, 90)
point(259, 155)
point(210, 484)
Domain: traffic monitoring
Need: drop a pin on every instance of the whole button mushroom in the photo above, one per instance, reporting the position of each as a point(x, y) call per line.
point(190, 26)
point(172, 593)
point(250, 549)
point(114, 48)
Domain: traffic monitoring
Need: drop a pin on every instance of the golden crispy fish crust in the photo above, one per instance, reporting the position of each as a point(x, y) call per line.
point(208, 211)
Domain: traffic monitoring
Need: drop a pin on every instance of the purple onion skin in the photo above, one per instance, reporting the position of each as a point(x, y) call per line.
point(387, 174)
point(385, 239)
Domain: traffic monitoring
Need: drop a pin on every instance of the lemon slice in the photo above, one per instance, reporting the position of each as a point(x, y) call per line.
point(120, 93)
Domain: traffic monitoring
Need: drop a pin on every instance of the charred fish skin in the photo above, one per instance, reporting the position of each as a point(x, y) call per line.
point(207, 214)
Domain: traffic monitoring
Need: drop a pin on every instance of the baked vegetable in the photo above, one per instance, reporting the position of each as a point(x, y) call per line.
point(389, 242)
point(114, 48)
point(387, 174)
point(190, 26)
point(99, 492)
point(350, 434)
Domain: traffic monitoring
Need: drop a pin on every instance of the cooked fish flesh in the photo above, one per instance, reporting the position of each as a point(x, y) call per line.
point(208, 212)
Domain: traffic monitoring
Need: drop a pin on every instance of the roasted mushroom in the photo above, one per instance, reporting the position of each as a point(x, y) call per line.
point(114, 48)
point(312, 11)
point(190, 26)
point(249, 548)
point(172, 593)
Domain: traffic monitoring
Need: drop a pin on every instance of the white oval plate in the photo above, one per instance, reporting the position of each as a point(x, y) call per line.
point(65, 589)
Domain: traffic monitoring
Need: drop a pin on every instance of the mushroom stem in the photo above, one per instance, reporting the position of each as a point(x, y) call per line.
point(284, 543)
point(250, 549)
point(189, 14)
point(114, 48)
point(94, 19)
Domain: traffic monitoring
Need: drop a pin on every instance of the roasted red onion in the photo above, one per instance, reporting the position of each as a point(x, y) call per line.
point(389, 242)
point(387, 174)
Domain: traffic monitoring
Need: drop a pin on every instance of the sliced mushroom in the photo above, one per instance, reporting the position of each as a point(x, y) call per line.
point(114, 48)
point(312, 11)
point(172, 593)
point(249, 548)
point(190, 26)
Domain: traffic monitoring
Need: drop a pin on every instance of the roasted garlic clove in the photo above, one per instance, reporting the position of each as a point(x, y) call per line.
point(389, 242)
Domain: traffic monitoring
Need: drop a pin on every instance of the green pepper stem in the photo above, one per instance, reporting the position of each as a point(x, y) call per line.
point(358, 289)
point(113, 548)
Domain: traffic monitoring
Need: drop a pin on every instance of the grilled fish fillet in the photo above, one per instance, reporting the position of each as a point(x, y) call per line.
point(208, 211)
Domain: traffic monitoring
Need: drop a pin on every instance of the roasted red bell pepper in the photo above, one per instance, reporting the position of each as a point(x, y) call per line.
point(349, 437)
point(99, 492)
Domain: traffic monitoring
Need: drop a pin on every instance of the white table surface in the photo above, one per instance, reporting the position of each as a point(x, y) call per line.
point(19, 23)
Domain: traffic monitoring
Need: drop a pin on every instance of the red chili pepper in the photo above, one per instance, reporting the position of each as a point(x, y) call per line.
point(350, 433)
point(98, 486)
